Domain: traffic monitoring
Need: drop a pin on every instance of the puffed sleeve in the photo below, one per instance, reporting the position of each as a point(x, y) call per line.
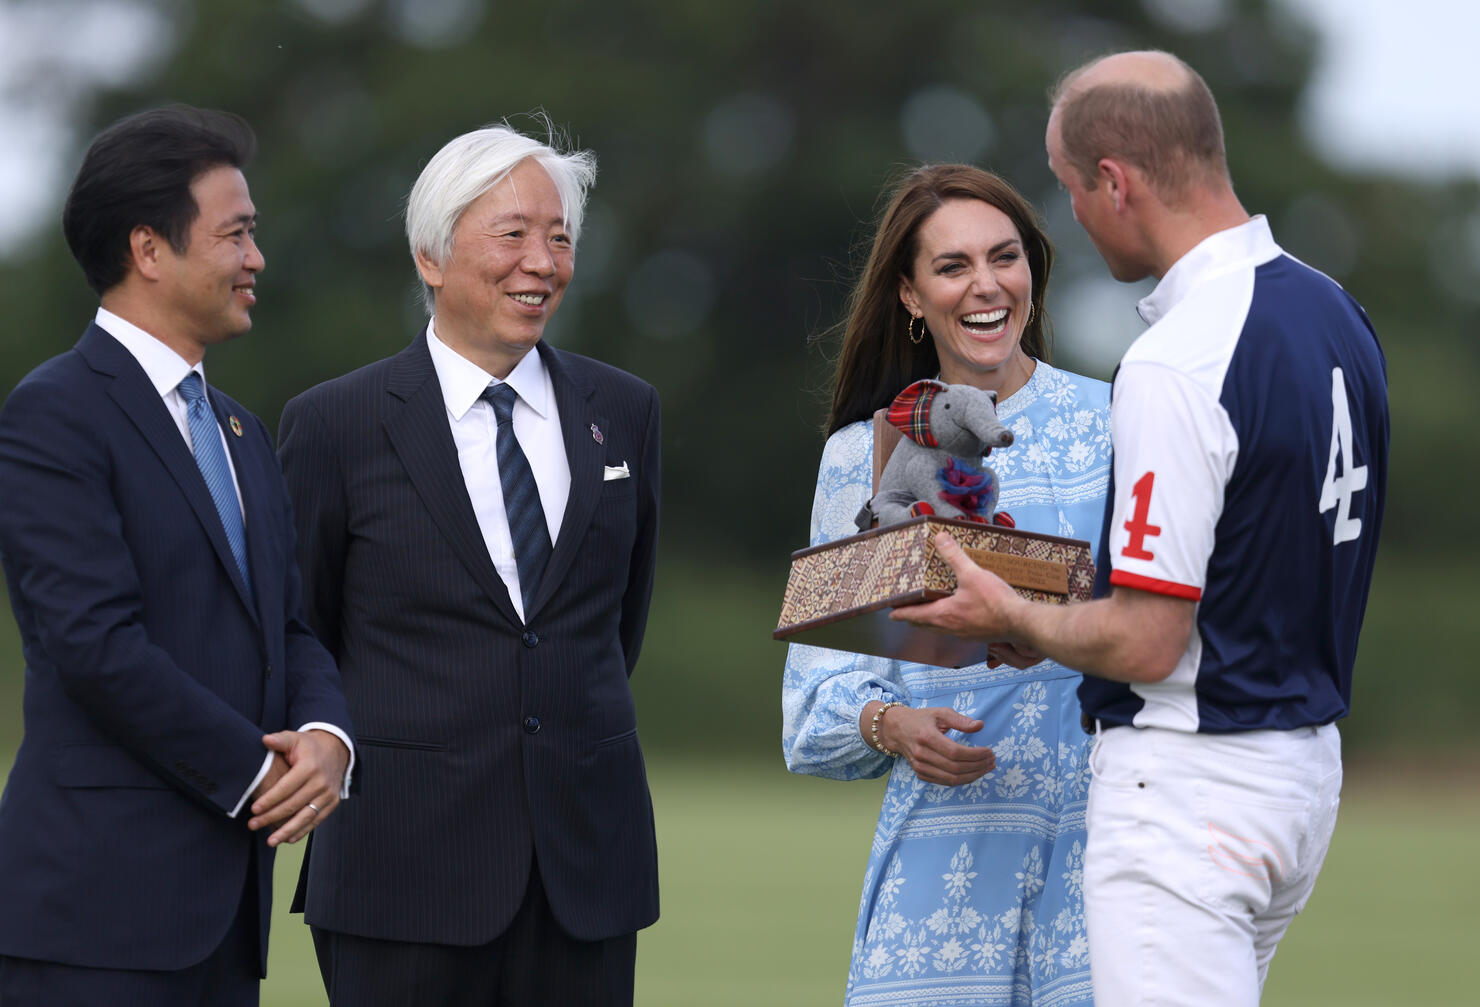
point(824, 690)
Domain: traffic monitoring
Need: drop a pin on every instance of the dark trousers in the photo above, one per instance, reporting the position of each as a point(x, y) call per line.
point(534, 962)
point(227, 978)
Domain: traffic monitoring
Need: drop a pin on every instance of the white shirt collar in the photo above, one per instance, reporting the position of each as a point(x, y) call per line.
point(1248, 244)
point(464, 381)
point(164, 367)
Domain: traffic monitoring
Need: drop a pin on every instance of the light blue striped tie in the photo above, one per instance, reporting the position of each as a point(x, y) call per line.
point(210, 456)
point(527, 525)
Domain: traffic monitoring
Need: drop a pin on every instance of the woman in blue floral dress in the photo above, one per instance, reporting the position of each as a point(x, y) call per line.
point(973, 891)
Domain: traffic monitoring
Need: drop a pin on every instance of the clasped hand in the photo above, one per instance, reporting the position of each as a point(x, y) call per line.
point(919, 736)
point(301, 787)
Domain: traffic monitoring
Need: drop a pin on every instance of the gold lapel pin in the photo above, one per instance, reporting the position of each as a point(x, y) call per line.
point(236, 426)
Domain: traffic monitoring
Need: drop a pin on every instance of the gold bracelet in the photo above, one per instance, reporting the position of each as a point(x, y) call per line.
point(874, 730)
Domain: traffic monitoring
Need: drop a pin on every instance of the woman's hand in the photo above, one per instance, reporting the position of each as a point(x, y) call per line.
point(920, 737)
point(1015, 655)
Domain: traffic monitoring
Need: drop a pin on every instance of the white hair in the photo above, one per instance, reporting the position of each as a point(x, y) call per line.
point(475, 162)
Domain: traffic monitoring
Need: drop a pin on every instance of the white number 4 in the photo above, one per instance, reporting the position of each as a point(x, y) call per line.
point(1337, 490)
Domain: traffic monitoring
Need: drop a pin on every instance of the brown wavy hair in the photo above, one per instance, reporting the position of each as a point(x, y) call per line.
point(877, 359)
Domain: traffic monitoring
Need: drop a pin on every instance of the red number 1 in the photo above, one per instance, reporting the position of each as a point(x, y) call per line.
point(1138, 526)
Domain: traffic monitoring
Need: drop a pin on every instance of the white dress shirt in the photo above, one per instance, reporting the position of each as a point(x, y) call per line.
point(536, 422)
point(166, 369)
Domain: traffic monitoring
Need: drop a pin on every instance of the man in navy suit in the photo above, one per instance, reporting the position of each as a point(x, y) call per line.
point(477, 527)
point(181, 720)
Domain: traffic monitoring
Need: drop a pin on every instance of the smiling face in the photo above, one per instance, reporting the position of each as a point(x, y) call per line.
point(205, 294)
point(511, 261)
point(971, 283)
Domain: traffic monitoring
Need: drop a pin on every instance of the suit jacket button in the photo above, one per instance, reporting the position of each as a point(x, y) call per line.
point(531, 725)
point(269, 671)
point(530, 638)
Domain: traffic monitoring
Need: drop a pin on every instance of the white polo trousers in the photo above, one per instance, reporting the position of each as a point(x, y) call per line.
point(1202, 848)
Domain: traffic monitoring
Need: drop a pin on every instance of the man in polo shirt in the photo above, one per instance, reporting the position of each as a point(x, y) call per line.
point(1250, 434)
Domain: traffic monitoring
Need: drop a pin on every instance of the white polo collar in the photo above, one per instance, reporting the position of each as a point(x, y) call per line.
point(1247, 245)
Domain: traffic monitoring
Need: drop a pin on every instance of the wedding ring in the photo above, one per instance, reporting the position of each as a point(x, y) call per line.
point(315, 807)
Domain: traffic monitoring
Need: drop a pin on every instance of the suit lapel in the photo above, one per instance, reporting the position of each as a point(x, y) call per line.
point(141, 403)
point(584, 456)
point(252, 480)
point(416, 423)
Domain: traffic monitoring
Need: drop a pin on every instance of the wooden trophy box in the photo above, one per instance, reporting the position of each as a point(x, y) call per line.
point(839, 594)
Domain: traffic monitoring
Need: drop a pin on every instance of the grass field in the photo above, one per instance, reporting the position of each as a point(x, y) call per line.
point(761, 873)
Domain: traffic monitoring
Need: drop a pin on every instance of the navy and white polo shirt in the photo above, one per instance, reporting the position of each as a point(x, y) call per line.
point(1249, 426)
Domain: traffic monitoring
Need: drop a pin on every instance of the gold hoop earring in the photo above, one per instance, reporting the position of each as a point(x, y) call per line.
point(1030, 312)
point(915, 338)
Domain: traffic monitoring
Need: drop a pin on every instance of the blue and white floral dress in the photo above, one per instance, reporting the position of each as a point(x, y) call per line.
point(973, 895)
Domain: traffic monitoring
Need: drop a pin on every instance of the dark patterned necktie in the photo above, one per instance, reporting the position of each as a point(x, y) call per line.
point(527, 525)
point(210, 457)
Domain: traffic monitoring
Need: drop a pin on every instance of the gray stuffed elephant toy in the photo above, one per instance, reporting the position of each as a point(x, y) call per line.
point(937, 467)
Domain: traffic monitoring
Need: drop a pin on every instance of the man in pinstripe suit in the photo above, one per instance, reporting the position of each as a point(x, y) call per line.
point(503, 849)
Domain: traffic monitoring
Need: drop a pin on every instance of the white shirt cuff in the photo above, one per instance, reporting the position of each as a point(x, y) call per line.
point(261, 775)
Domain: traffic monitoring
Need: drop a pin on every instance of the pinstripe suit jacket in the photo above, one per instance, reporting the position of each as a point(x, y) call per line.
point(484, 743)
point(150, 676)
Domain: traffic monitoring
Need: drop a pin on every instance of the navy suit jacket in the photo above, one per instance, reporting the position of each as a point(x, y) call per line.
point(150, 678)
point(488, 744)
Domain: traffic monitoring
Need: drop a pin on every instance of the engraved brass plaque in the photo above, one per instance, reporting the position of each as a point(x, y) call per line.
point(1023, 571)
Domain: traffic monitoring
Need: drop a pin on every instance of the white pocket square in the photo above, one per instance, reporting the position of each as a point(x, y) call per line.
point(610, 472)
